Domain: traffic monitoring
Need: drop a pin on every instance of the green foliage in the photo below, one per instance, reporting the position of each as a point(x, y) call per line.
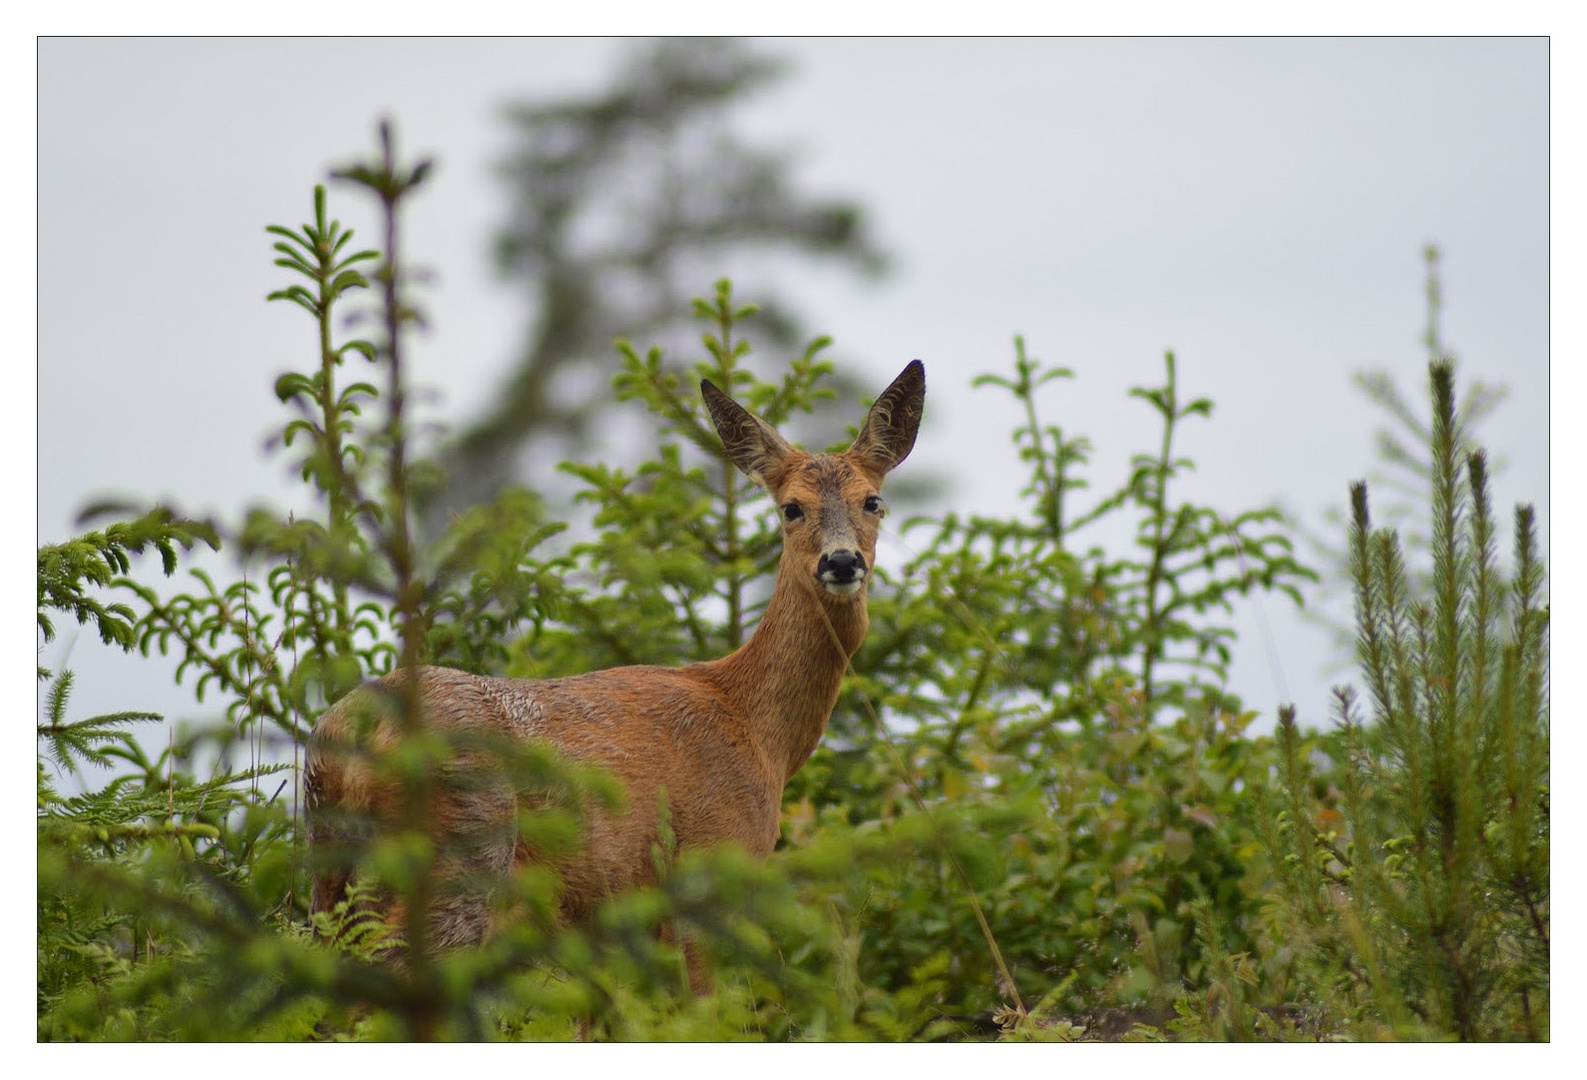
point(1421, 875)
point(94, 741)
point(1037, 813)
point(1403, 446)
point(1036, 613)
point(104, 854)
point(67, 571)
point(1000, 666)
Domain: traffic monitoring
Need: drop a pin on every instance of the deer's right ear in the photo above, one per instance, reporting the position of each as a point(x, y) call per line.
point(753, 444)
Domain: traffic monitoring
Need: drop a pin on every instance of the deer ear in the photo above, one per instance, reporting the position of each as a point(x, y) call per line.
point(889, 432)
point(754, 445)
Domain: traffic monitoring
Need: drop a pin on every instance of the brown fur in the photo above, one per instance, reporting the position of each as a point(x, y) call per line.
point(721, 738)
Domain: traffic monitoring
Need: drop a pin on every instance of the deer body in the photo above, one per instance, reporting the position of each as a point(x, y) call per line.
point(719, 738)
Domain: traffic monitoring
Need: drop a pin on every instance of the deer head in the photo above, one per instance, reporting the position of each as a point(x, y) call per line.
point(831, 504)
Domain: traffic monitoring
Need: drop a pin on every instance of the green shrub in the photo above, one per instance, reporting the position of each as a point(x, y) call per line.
point(1414, 859)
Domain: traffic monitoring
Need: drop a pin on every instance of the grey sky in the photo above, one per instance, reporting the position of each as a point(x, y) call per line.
point(1258, 206)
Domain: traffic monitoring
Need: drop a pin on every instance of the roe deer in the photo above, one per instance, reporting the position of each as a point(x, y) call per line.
point(720, 739)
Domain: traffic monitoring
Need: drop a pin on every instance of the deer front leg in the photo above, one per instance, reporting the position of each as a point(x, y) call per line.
point(698, 965)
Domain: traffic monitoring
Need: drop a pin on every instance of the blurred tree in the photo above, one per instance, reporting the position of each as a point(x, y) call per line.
point(624, 205)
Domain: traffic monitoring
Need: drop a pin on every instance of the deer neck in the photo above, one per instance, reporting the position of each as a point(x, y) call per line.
point(785, 679)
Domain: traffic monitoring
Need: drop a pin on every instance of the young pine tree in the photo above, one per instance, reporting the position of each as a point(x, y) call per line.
point(1420, 888)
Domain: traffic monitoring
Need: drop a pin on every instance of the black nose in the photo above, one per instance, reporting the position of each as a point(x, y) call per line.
point(840, 567)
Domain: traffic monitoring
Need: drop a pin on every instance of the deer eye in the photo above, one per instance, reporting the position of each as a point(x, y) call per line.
point(792, 512)
point(874, 505)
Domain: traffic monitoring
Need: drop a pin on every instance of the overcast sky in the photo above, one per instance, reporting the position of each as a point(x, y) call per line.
point(1258, 206)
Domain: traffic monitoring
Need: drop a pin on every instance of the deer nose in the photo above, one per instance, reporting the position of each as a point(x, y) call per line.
point(841, 567)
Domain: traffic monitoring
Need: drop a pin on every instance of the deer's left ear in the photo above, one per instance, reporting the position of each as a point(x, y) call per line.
point(890, 428)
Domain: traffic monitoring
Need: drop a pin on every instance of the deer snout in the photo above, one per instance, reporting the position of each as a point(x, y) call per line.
point(841, 571)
